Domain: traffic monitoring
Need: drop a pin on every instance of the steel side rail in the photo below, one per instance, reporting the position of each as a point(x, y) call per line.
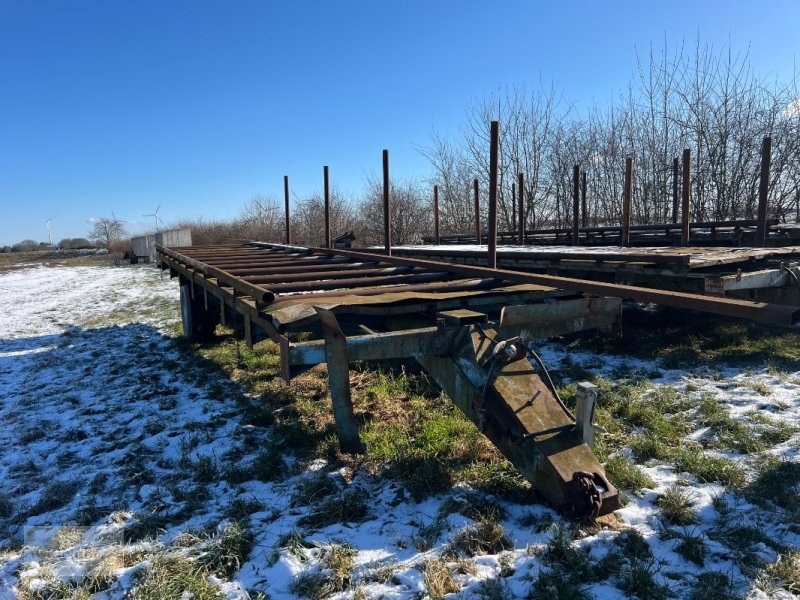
point(762, 312)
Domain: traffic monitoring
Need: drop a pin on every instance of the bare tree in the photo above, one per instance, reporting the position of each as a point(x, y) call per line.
point(107, 230)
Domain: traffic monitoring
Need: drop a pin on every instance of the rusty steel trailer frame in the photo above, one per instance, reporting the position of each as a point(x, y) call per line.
point(769, 274)
point(468, 326)
point(733, 232)
point(470, 334)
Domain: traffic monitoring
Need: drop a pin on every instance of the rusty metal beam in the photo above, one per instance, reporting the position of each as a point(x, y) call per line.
point(755, 311)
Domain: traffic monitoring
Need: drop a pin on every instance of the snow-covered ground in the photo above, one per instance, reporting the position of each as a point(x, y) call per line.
point(105, 420)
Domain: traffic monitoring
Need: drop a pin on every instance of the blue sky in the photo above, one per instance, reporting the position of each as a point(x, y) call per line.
point(122, 105)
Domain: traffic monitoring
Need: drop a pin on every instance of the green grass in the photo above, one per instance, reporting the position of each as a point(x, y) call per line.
point(776, 485)
point(171, 577)
point(784, 574)
point(626, 475)
point(713, 586)
point(637, 578)
point(676, 507)
point(225, 552)
point(486, 536)
point(692, 548)
point(685, 340)
point(348, 507)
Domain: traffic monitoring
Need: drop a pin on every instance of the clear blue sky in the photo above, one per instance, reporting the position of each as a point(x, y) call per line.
point(121, 105)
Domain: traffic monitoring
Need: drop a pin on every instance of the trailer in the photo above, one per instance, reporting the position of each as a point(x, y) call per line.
point(473, 329)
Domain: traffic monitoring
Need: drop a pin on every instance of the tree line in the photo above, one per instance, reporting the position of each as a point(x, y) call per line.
point(708, 100)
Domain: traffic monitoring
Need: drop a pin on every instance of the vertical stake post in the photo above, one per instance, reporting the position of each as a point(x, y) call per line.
point(328, 243)
point(494, 151)
point(286, 201)
point(763, 192)
point(627, 202)
point(513, 207)
point(339, 381)
point(387, 213)
point(576, 186)
point(584, 206)
point(436, 214)
point(477, 212)
point(521, 209)
point(686, 193)
point(675, 175)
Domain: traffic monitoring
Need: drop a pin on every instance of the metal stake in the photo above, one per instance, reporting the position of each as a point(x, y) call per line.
point(494, 147)
point(286, 200)
point(763, 192)
point(328, 243)
point(387, 213)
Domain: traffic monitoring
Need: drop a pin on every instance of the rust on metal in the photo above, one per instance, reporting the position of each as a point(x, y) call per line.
point(463, 323)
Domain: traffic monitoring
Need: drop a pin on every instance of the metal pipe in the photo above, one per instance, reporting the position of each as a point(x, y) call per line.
point(686, 191)
point(521, 209)
point(436, 213)
point(286, 200)
point(513, 207)
point(576, 175)
point(675, 175)
point(763, 193)
point(626, 203)
point(477, 212)
point(348, 285)
point(584, 206)
point(387, 213)
point(321, 276)
point(327, 243)
point(494, 147)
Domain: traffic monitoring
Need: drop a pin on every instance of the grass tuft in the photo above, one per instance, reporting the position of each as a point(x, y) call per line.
point(484, 537)
point(173, 576)
point(676, 507)
point(348, 507)
point(438, 580)
point(637, 578)
point(226, 551)
point(626, 475)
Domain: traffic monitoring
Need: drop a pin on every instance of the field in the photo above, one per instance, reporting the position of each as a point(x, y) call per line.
point(137, 465)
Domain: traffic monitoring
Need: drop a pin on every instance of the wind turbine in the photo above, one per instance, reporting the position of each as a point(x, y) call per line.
point(159, 221)
point(49, 231)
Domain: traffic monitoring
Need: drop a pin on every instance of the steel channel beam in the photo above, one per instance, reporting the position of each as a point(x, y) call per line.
point(380, 346)
point(410, 290)
point(359, 282)
point(677, 260)
point(344, 264)
point(321, 276)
